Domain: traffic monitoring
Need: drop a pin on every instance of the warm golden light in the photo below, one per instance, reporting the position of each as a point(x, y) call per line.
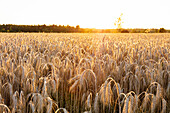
point(87, 13)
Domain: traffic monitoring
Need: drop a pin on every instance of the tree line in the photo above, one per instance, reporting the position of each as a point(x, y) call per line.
point(72, 29)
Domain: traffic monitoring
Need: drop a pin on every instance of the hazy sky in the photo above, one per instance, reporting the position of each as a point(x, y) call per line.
point(87, 13)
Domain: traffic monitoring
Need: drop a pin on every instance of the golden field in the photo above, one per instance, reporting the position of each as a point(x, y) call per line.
point(92, 73)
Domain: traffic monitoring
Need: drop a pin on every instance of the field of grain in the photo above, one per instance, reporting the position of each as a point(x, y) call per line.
point(92, 73)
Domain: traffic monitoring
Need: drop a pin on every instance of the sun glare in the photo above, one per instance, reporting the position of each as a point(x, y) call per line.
point(88, 14)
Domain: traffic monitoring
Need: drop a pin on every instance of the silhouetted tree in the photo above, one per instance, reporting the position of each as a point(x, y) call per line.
point(162, 30)
point(124, 31)
point(77, 26)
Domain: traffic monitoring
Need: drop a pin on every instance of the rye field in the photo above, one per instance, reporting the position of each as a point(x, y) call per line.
point(90, 73)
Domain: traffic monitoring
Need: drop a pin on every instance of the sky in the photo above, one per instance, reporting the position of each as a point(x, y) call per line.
point(100, 14)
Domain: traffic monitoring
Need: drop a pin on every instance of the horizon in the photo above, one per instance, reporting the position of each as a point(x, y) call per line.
point(87, 14)
point(75, 26)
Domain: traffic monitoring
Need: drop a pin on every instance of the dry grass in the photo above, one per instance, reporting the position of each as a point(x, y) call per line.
point(74, 73)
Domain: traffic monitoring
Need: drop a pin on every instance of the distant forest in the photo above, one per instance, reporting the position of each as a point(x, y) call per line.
point(72, 29)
